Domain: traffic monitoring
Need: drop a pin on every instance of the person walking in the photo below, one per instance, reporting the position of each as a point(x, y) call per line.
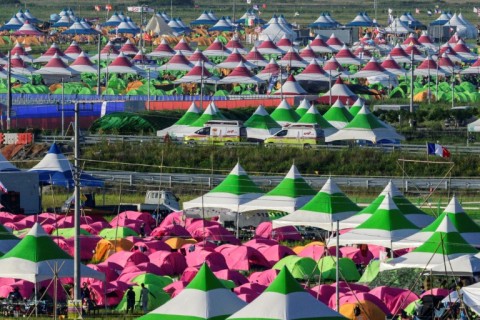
point(130, 300)
point(144, 293)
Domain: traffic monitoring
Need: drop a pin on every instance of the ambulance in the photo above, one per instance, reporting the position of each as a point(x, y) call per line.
point(224, 132)
point(298, 134)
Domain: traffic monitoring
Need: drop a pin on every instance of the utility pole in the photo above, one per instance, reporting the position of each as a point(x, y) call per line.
point(9, 90)
point(411, 83)
point(99, 89)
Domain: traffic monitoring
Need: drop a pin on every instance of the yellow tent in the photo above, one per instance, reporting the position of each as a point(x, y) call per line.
point(105, 248)
point(423, 96)
point(176, 243)
point(368, 310)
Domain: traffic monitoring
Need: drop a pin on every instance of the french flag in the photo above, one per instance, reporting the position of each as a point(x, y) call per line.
point(438, 150)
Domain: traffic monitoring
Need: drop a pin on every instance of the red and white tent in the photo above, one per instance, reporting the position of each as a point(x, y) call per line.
point(241, 74)
point(272, 69)
point(308, 54)
point(268, 47)
point(83, 64)
point(345, 56)
point(373, 69)
point(428, 67)
point(291, 87)
point(27, 29)
point(473, 69)
point(417, 55)
point(463, 51)
point(57, 68)
point(256, 58)
point(53, 50)
point(446, 64)
point(162, 50)
point(233, 60)
point(335, 43)
point(313, 72)
point(109, 52)
point(198, 56)
point(234, 43)
point(362, 53)
point(73, 50)
point(122, 64)
point(20, 50)
point(454, 38)
point(426, 41)
point(334, 69)
point(320, 46)
point(183, 46)
point(399, 55)
point(285, 43)
point(339, 91)
point(198, 74)
point(177, 63)
point(216, 49)
point(392, 66)
point(18, 66)
point(450, 52)
point(411, 41)
point(128, 48)
point(292, 60)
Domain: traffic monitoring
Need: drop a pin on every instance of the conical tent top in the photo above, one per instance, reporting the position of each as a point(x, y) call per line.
point(205, 280)
point(293, 185)
point(284, 283)
point(237, 182)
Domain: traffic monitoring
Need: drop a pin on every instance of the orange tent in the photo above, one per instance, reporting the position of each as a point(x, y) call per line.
point(105, 248)
point(368, 310)
point(176, 243)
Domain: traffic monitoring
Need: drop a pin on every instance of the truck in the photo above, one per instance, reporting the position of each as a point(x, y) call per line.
point(156, 201)
point(222, 132)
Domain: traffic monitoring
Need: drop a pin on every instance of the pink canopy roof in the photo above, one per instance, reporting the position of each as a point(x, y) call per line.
point(268, 47)
point(454, 38)
point(83, 64)
point(345, 56)
point(399, 54)
point(162, 50)
point(216, 49)
point(417, 55)
point(178, 62)
point(307, 53)
point(109, 52)
point(241, 74)
point(424, 39)
point(183, 47)
point(256, 58)
point(199, 56)
point(284, 43)
point(20, 50)
point(56, 66)
point(333, 67)
point(320, 46)
point(461, 47)
point(291, 87)
point(372, 69)
point(313, 72)
point(73, 50)
point(233, 60)
point(428, 63)
point(292, 59)
point(392, 66)
point(362, 53)
point(128, 48)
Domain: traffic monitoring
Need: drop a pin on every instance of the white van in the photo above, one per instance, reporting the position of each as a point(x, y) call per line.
point(302, 134)
point(219, 132)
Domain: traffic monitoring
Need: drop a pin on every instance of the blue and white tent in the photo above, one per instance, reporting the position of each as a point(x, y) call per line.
point(362, 20)
point(441, 20)
point(113, 21)
point(250, 14)
point(56, 169)
point(78, 28)
point(323, 22)
point(125, 27)
point(30, 16)
point(12, 24)
point(222, 25)
point(20, 16)
point(204, 18)
point(63, 22)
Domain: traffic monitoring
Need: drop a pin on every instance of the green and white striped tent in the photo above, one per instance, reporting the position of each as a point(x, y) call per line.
point(411, 212)
point(285, 299)
point(303, 107)
point(261, 125)
point(225, 199)
point(365, 126)
point(36, 257)
point(383, 228)
point(468, 229)
point(177, 129)
point(204, 298)
point(290, 194)
point(211, 113)
point(284, 114)
point(329, 205)
point(443, 245)
point(355, 108)
point(7, 240)
point(338, 115)
point(313, 116)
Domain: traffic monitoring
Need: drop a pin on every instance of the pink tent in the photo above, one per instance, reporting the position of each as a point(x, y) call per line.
point(175, 288)
point(436, 292)
point(213, 231)
point(258, 242)
point(320, 46)
point(73, 50)
point(95, 227)
point(323, 292)
point(242, 257)
point(188, 274)
point(109, 52)
point(10, 217)
point(234, 43)
point(69, 221)
point(275, 253)
point(182, 46)
point(134, 215)
point(145, 267)
point(284, 43)
point(314, 251)
point(411, 41)
point(128, 48)
point(128, 276)
point(308, 54)
point(24, 287)
point(213, 259)
point(358, 256)
point(345, 56)
point(399, 55)
point(334, 42)
point(362, 53)
point(267, 46)
point(292, 59)
point(293, 88)
point(132, 224)
point(110, 273)
point(216, 49)
point(88, 245)
point(170, 263)
point(54, 49)
point(122, 259)
point(265, 230)
point(173, 230)
point(115, 291)
point(351, 286)
point(162, 50)
point(232, 275)
point(173, 219)
point(233, 60)
point(395, 299)
point(197, 57)
point(256, 58)
point(356, 297)
point(263, 278)
point(151, 246)
point(249, 291)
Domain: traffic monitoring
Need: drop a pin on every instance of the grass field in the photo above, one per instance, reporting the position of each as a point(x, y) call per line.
point(308, 11)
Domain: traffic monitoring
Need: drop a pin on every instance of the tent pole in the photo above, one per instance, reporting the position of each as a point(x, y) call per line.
point(99, 88)
point(411, 84)
point(337, 268)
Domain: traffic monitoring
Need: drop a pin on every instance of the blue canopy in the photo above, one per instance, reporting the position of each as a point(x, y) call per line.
point(204, 19)
point(55, 169)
